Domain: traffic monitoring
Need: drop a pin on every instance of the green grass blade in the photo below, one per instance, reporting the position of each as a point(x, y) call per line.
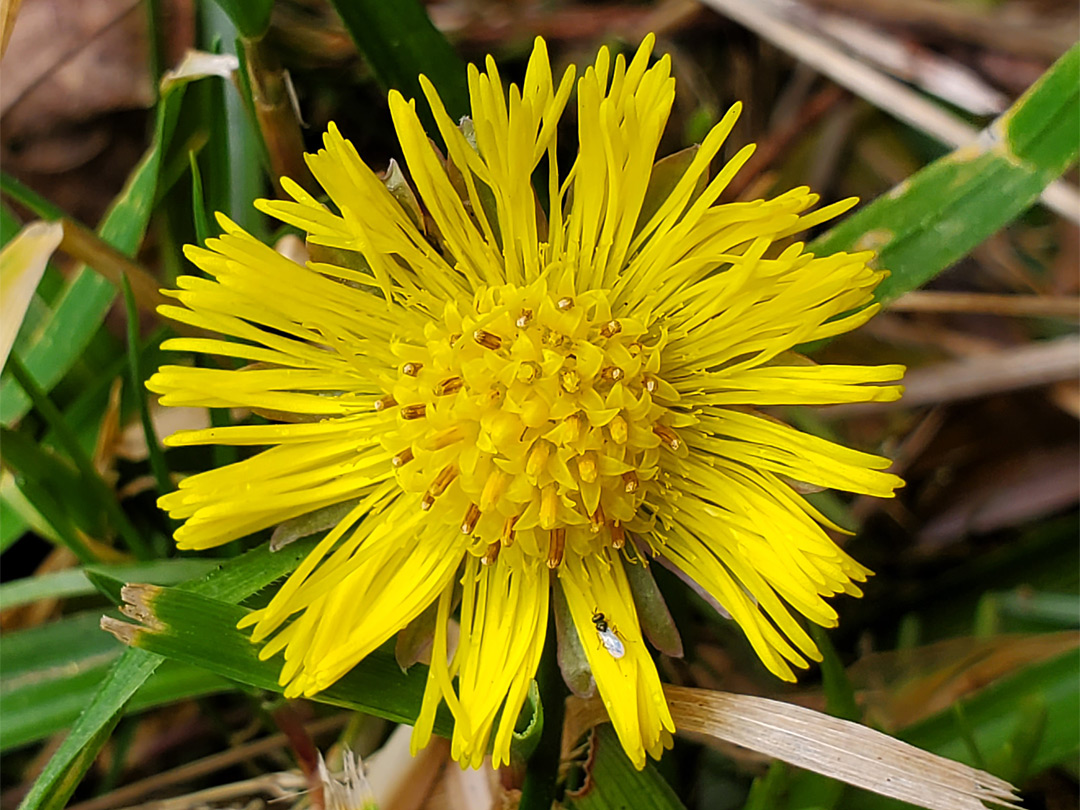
point(203, 228)
point(935, 217)
point(399, 43)
point(202, 631)
point(806, 788)
point(90, 478)
point(108, 579)
point(158, 465)
point(39, 476)
point(251, 17)
point(87, 296)
point(995, 712)
point(49, 673)
point(233, 581)
point(998, 718)
point(81, 306)
point(55, 585)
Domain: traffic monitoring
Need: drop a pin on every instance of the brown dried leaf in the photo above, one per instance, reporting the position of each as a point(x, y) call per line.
point(901, 687)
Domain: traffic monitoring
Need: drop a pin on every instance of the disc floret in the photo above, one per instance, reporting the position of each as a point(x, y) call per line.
point(535, 420)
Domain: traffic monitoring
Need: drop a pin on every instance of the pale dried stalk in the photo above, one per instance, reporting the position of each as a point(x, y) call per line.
point(1032, 364)
point(1047, 306)
point(767, 18)
point(818, 742)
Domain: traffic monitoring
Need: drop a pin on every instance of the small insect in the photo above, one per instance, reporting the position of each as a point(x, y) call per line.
point(611, 642)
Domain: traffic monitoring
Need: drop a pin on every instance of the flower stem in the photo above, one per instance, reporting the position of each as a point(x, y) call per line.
point(538, 792)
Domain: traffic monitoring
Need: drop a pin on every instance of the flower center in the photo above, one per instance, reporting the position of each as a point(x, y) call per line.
point(533, 422)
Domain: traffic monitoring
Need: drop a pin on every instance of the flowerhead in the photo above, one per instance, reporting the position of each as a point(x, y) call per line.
point(489, 398)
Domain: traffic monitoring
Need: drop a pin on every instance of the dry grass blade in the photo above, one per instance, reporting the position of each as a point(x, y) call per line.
point(765, 19)
point(200, 768)
point(837, 748)
point(1026, 366)
point(987, 303)
point(827, 745)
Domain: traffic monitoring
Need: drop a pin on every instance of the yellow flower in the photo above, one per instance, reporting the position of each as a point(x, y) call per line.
point(511, 400)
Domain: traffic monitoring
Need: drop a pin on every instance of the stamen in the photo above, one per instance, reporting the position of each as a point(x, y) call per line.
point(415, 411)
point(454, 338)
point(493, 490)
point(618, 534)
point(573, 428)
point(492, 553)
point(586, 465)
point(537, 460)
point(445, 477)
point(528, 372)
point(668, 436)
point(524, 319)
point(635, 348)
point(555, 551)
point(472, 515)
point(384, 403)
point(612, 373)
point(630, 481)
point(487, 339)
point(445, 438)
point(619, 430)
point(565, 304)
point(549, 507)
point(427, 501)
point(411, 369)
point(651, 385)
point(508, 533)
point(449, 386)
point(596, 520)
point(402, 458)
point(610, 329)
point(551, 338)
point(570, 380)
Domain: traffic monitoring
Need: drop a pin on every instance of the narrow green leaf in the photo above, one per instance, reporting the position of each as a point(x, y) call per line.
point(806, 788)
point(612, 782)
point(399, 42)
point(1038, 610)
point(108, 579)
point(233, 581)
point(55, 585)
point(995, 713)
point(87, 296)
point(202, 631)
point(767, 791)
point(77, 752)
point(839, 693)
point(203, 229)
point(936, 216)
point(49, 673)
point(90, 477)
point(251, 17)
point(154, 450)
point(18, 515)
point(40, 475)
